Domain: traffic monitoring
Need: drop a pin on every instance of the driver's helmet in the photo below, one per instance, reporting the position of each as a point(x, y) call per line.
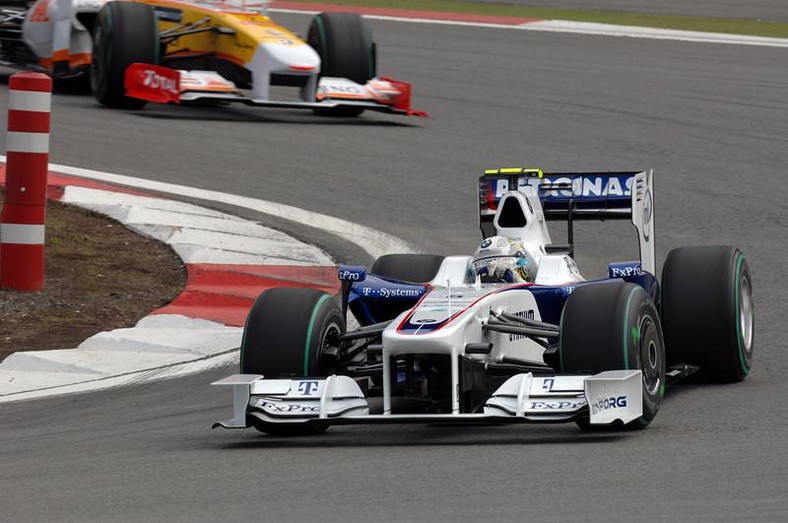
point(502, 260)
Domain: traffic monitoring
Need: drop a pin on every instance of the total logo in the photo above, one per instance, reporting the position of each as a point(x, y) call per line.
point(613, 402)
point(157, 81)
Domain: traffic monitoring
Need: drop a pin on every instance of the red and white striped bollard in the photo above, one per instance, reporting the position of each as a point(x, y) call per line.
point(27, 159)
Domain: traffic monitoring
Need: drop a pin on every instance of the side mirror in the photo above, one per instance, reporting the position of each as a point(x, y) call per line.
point(348, 275)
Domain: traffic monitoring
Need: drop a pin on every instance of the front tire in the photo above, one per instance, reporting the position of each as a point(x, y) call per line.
point(346, 49)
point(708, 312)
point(287, 333)
point(615, 326)
point(125, 33)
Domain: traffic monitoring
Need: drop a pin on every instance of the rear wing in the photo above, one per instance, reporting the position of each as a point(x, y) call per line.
point(627, 195)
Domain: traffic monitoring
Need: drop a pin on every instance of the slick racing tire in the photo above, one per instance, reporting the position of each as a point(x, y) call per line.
point(288, 331)
point(615, 326)
point(346, 49)
point(411, 268)
point(125, 33)
point(707, 311)
point(285, 336)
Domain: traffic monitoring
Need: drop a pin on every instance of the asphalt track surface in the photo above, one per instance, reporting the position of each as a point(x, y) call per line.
point(771, 10)
point(711, 119)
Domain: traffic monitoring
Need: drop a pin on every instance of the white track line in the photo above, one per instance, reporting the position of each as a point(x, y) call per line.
point(652, 33)
point(588, 28)
point(230, 357)
point(374, 242)
point(198, 235)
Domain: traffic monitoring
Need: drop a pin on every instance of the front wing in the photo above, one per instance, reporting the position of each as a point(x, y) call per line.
point(159, 84)
point(607, 397)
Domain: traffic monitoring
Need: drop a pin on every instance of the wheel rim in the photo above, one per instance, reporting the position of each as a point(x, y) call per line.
point(330, 336)
point(329, 339)
point(746, 319)
point(650, 355)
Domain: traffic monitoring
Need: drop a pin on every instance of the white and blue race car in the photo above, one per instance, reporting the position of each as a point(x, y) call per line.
point(511, 334)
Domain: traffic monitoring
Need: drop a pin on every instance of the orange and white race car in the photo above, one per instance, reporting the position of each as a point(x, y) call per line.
point(172, 51)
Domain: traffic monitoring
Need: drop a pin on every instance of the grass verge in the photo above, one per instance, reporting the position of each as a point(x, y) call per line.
point(687, 23)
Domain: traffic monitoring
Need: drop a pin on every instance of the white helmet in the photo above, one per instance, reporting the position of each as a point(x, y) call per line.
point(501, 260)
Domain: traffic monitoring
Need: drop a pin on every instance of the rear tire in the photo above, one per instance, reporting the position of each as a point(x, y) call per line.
point(614, 326)
point(125, 33)
point(708, 312)
point(285, 335)
point(346, 49)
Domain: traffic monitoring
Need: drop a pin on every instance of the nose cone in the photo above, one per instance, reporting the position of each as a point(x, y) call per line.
point(290, 55)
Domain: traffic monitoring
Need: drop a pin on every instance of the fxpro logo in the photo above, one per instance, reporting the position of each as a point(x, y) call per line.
point(350, 275)
point(613, 402)
point(620, 272)
point(557, 405)
point(286, 408)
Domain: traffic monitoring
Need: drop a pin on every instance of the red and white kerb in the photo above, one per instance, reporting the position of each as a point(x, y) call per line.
point(27, 157)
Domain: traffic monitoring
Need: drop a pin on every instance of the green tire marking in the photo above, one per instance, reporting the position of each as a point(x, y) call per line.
point(323, 298)
point(744, 365)
point(635, 333)
point(662, 389)
point(640, 421)
point(626, 322)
